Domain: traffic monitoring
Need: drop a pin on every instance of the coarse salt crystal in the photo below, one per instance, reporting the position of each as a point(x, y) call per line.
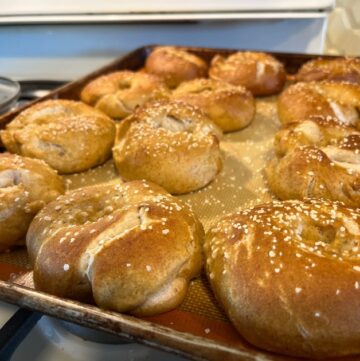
point(66, 267)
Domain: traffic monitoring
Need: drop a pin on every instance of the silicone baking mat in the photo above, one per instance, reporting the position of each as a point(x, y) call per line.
point(199, 327)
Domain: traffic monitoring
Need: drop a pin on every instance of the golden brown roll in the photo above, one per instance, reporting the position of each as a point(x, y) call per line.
point(132, 247)
point(175, 65)
point(261, 73)
point(317, 131)
point(26, 185)
point(169, 143)
point(320, 99)
point(338, 69)
point(330, 172)
point(118, 94)
point(231, 107)
point(288, 276)
point(70, 136)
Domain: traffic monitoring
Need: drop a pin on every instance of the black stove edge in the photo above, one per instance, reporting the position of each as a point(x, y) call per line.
point(15, 331)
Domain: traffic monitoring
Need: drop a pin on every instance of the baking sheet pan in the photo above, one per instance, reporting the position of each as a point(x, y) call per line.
point(199, 328)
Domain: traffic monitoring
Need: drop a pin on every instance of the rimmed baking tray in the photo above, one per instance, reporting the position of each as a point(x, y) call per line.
point(198, 329)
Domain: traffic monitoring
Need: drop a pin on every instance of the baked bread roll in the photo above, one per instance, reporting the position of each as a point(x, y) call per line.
point(231, 107)
point(261, 73)
point(169, 143)
point(288, 276)
point(175, 65)
point(317, 131)
point(132, 247)
point(324, 99)
point(26, 185)
point(118, 94)
point(338, 69)
point(330, 172)
point(70, 136)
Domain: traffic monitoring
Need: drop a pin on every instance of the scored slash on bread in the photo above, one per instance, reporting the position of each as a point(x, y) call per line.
point(170, 143)
point(131, 247)
point(231, 107)
point(338, 100)
point(328, 172)
point(318, 131)
point(259, 72)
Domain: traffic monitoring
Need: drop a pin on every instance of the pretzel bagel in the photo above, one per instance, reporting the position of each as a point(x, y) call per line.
point(339, 69)
point(330, 172)
point(170, 143)
point(175, 65)
point(320, 99)
point(70, 136)
point(317, 131)
point(119, 94)
point(131, 247)
point(260, 73)
point(231, 107)
point(288, 276)
point(26, 185)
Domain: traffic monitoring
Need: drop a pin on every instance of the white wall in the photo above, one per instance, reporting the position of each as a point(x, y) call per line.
point(68, 51)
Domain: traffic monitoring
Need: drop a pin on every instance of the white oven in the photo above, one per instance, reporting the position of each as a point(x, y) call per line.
point(42, 39)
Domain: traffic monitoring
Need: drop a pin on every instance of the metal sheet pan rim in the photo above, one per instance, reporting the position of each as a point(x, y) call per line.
point(173, 17)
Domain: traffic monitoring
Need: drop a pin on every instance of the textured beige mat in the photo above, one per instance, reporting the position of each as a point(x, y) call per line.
point(240, 184)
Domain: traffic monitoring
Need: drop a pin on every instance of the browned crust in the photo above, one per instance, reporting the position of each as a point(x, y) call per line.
point(320, 99)
point(318, 131)
point(340, 69)
point(310, 172)
point(175, 65)
point(118, 94)
point(259, 72)
point(132, 247)
point(70, 136)
point(26, 185)
point(288, 276)
point(170, 143)
point(229, 106)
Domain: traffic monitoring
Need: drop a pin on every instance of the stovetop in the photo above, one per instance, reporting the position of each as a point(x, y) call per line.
point(34, 89)
point(28, 335)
